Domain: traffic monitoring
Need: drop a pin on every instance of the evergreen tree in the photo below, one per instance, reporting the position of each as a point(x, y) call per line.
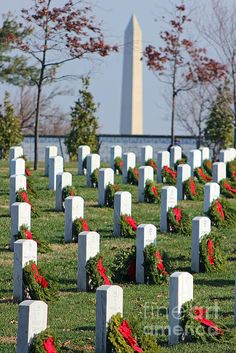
point(218, 132)
point(10, 127)
point(84, 123)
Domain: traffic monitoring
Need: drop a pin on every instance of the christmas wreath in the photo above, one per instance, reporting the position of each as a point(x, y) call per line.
point(133, 176)
point(111, 189)
point(231, 170)
point(207, 166)
point(202, 176)
point(66, 192)
point(156, 265)
point(180, 161)
point(22, 196)
point(128, 226)
point(118, 165)
point(94, 178)
point(221, 214)
point(150, 162)
point(25, 233)
point(123, 266)
point(29, 182)
point(79, 225)
point(193, 190)
point(44, 342)
point(36, 286)
point(169, 175)
point(196, 327)
point(121, 337)
point(152, 192)
point(228, 188)
point(211, 257)
point(97, 268)
point(178, 221)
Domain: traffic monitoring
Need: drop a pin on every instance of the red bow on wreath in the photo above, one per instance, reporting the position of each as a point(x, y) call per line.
point(25, 198)
point(170, 171)
point(154, 190)
point(160, 265)
point(193, 188)
point(38, 278)
point(219, 209)
point(177, 214)
point(102, 272)
point(27, 172)
point(28, 234)
point(48, 345)
point(210, 250)
point(229, 187)
point(200, 316)
point(131, 222)
point(125, 330)
point(204, 176)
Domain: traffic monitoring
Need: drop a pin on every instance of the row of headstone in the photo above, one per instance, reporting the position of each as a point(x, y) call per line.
point(227, 155)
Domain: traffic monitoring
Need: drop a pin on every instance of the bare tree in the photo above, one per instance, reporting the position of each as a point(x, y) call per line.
point(219, 30)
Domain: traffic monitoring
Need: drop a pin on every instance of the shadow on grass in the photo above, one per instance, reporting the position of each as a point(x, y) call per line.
point(6, 249)
point(215, 282)
point(231, 259)
point(221, 298)
point(85, 328)
point(6, 301)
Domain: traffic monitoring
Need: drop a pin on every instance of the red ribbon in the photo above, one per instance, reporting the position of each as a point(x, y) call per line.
point(154, 190)
point(132, 270)
point(170, 171)
point(200, 316)
point(210, 250)
point(153, 165)
point(25, 198)
point(219, 209)
point(229, 187)
point(38, 278)
point(28, 234)
point(177, 214)
point(102, 272)
point(126, 332)
point(48, 345)
point(203, 175)
point(121, 163)
point(131, 222)
point(136, 172)
point(84, 225)
point(193, 188)
point(160, 265)
point(27, 172)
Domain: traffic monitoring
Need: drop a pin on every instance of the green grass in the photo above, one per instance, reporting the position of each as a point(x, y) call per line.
point(72, 316)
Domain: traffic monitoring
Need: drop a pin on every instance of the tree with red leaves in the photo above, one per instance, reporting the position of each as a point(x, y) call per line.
point(180, 63)
point(59, 35)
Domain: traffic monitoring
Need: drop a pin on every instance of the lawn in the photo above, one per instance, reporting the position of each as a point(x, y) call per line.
point(72, 316)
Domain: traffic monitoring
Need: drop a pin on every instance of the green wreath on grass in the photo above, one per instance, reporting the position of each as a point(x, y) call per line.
point(111, 189)
point(22, 196)
point(36, 284)
point(133, 176)
point(98, 272)
point(193, 190)
point(180, 161)
point(179, 221)
point(228, 188)
point(94, 178)
point(79, 225)
point(150, 162)
point(231, 170)
point(156, 265)
point(123, 266)
point(44, 342)
point(211, 256)
point(202, 176)
point(118, 165)
point(221, 213)
point(67, 191)
point(152, 192)
point(25, 233)
point(128, 226)
point(169, 175)
point(207, 166)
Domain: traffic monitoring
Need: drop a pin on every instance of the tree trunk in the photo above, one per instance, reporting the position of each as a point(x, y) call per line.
point(37, 114)
point(173, 118)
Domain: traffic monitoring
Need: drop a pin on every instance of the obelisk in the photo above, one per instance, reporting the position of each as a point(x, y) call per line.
point(132, 86)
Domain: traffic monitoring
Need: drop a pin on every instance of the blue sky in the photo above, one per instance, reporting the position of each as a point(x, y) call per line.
point(106, 76)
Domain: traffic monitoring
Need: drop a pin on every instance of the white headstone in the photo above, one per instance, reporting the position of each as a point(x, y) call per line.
point(83, 152)
point(168, 200)
point(15, 152)
point(106, 176)
point(195, 160)
point(146, 235)
point(74, 208)
point(205, 152)
point(17, 182)
point(89, 245)
point(180, 292)
point(109, 302)
point(93, 162)
point(17, 166)
point(24, 252)
point(218, 171)
point(163, 159)
point(200, 227)
point(129, 161)
point(183, 174)
point(225, 156)
point(146, 154)
point(62, 180)
point(232, 152)
point(211, 193)
point(115, 151)
point(175, 155)
point(122, 206)
point(145, 173)
point(20, 215)
point(55, 167)
point(32, 319)
point(50, 151)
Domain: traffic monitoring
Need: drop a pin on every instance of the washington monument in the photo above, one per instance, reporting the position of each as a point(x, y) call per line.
point(131, 122)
